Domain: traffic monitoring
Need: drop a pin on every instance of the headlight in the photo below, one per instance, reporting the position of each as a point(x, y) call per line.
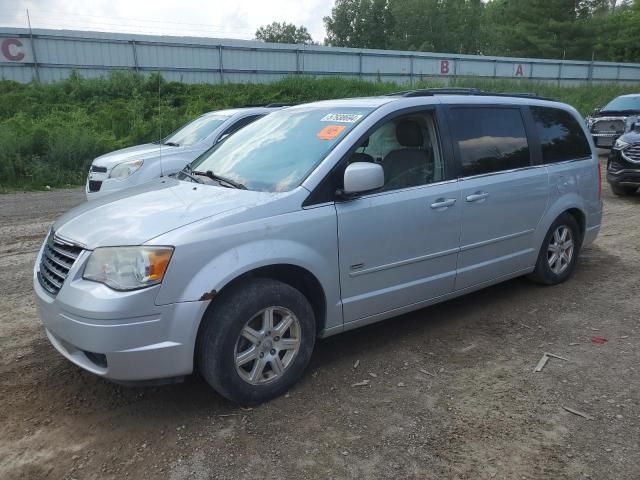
point(128, 268)
point(620, 144)
point(631, 123)
point(125, 169)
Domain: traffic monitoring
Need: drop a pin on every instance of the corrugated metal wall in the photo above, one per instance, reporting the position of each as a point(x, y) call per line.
point(51, 55)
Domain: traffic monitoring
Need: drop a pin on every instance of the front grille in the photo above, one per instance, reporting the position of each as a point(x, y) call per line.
point(632, 153)
point(610, 126)
point(94, 185)
point(95, 168)
point(57, 259)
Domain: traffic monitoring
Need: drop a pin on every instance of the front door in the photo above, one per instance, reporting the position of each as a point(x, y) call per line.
point(398, 246)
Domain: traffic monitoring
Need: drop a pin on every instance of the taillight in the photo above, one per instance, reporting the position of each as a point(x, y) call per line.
point(599, 180)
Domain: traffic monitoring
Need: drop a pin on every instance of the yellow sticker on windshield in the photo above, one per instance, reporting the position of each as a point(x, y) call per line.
point(330, 132)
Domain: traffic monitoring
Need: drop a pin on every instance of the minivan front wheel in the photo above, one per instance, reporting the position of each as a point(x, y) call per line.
point(267, 345)
point(256, 340)
point(559, 252)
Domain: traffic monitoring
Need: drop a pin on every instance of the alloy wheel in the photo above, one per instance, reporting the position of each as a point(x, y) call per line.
point(267, 345)
point(560, 250)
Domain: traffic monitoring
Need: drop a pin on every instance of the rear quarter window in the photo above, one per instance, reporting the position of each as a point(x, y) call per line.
point(561, 136)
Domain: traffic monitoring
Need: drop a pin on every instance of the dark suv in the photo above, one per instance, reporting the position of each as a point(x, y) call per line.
point(609, 122)
point(623, 165)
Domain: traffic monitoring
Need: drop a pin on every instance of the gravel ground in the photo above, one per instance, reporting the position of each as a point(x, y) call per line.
point(451, 392)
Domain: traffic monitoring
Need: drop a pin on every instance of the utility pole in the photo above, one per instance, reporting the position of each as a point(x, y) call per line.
point(33, 48)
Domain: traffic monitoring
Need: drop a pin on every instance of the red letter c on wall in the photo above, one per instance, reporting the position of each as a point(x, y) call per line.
point(6, 49)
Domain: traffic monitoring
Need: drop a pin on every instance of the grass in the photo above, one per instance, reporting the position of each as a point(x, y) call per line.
point(49, 134)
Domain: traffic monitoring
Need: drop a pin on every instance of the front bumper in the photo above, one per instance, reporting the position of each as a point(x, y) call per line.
point(99, 184)
point(621, 171)
point(605, 140)
point(624, 178)
point(122, 336)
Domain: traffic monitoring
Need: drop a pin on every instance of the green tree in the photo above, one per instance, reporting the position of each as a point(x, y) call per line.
point(359, 24)
point(284, 33)
point(617, 35)
point(540, 28)
point(570, 29)
point(432, 25)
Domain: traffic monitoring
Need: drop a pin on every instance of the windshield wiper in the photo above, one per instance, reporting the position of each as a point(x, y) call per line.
point(171, 144)
point(185, 171)
point(218, 178)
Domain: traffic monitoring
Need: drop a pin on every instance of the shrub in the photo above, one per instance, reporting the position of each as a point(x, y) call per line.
point(49, 134)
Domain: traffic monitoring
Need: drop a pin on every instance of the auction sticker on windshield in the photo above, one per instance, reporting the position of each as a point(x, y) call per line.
point(330, 132)
point(341, 117)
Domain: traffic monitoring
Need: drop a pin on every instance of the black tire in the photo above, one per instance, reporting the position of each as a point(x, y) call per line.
point(221, 330)
point(543, 273)
point(623, 191)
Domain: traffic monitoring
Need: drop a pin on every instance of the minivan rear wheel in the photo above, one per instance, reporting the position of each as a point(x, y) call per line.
point(256, 341)
point(559, 252)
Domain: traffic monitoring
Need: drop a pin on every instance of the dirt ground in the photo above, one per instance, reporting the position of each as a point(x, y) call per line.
point(452, 390)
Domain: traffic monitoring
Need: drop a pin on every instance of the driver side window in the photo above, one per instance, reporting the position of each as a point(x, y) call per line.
point(408, 150)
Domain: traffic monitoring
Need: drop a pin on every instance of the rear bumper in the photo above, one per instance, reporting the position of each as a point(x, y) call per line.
point(148, 345)
point(590, 235)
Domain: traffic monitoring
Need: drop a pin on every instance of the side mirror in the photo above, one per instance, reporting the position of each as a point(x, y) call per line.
point(362, 177)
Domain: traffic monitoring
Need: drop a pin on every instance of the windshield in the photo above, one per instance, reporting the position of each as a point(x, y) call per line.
point(195, 131)
point(624, 103)
point(276, 153)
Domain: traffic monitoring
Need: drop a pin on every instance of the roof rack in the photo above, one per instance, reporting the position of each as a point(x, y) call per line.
point(429, 92)
point(272, 105)
point(268, 105)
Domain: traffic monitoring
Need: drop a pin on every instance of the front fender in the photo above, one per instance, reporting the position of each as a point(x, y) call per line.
point(209, 256)
point(231, 264)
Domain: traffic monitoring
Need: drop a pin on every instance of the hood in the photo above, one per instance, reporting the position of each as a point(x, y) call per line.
point(614, 113)
point(631, 137)
point(135, 216)
point(145, 151)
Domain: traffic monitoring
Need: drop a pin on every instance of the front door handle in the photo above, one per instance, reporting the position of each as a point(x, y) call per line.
point(477, 197)
point(443, 203)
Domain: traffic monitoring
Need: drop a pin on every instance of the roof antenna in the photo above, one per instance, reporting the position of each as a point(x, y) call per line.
point(160, 125)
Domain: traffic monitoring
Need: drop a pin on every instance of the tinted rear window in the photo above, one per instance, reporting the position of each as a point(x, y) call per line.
point(561, 137)
point(489, 139)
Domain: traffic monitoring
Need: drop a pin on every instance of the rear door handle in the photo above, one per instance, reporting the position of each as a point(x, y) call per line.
point(477, 197)
point(443, 203)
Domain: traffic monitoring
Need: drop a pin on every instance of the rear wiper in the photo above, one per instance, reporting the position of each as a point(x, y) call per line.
point(218, 178)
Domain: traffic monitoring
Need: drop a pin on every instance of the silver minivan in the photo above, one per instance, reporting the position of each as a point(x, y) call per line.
point(314, 220)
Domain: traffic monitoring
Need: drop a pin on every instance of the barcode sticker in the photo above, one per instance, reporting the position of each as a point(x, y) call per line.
point(341, 117)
